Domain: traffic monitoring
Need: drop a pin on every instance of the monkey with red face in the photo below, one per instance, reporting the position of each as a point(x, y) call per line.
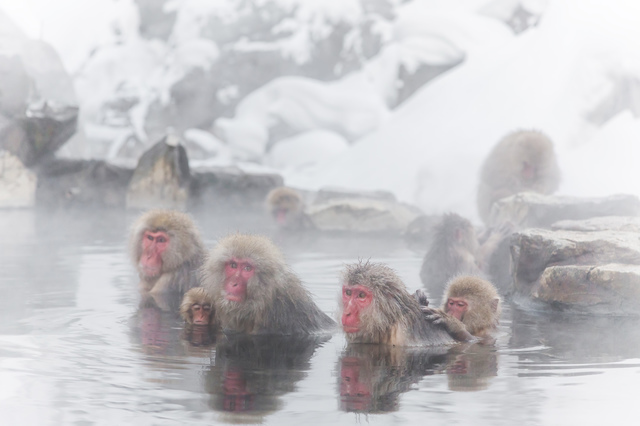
point(255, 292)
point(167, 251)
point(471, 309)
point(376, 308)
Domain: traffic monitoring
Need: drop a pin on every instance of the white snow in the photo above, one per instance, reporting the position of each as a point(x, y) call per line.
point(430, 150)
point(578, 63)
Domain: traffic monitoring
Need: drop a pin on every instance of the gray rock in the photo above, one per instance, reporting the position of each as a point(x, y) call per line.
point(604, 223)
point(361, 215)
point(536, 252)
point(229, 189)
point(38, 106)
point(528, 209)
point(66, 183)
point(17, 183)
point(162, 178)
point(606, 289)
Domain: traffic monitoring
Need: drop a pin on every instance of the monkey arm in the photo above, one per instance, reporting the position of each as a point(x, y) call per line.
point(454, 327)
point(490, 245)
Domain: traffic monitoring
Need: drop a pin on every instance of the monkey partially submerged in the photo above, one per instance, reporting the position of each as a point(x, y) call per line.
point(255, 291)
point(455, 250)
point(471, 309)
point(523, 160)
point(199, 316)
point(376, 308)
point(167, 251)
point(286, 206)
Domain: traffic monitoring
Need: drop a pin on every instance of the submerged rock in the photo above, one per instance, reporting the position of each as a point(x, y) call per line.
point(162, 178)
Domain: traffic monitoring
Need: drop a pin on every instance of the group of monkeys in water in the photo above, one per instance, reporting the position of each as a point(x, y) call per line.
point(243, 285)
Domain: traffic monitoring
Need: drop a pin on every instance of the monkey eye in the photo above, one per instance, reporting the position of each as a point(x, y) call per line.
point(233, 264)
point(347, 292)
point(161, 240)
point(362, 295)
point(206, 307)
point(247, 268)
point(150, 237)
point(196, 307)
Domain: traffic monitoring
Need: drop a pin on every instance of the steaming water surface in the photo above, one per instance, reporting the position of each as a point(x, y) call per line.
point(77, 347)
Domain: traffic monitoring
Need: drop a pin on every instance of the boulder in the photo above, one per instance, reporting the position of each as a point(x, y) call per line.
point(528, 209)
point(38, 107)
point(362, 215)
point(606, 289)
point(17, 183)
point(64, 183)
point(230, 189)
point(162, 178)
point(566, 268)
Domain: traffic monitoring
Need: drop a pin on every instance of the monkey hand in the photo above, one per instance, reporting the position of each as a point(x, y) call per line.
point(421, 297)
point(434, 316)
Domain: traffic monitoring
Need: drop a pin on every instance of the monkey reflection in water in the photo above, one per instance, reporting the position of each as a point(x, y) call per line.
point(372, 377)
point(251, 373)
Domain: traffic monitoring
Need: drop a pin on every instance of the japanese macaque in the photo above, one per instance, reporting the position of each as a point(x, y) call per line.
point(471, 309)
point(197, 311)
point(376, 308)
point(197, 307)
point(522, 161)
point(255, 292)
point(287, 208)
point(455, 250)
point(167, 251)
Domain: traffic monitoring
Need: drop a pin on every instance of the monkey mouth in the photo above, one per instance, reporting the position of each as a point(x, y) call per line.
point(350, 329)
point(233, 297)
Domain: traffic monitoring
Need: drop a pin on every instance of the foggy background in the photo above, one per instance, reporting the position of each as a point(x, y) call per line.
point(407, 96)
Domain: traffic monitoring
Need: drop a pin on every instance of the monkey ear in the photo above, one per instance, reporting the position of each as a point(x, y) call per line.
point(494, 304)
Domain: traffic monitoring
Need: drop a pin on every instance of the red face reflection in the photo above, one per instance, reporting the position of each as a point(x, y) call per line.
point(456, 306)
point(153, 245)
point(354, 393)
point(354, 300)
point(237, 273)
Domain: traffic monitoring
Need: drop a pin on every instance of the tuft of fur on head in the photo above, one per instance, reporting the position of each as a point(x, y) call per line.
point(483, 299)
point(284, 198)
point(392, 305)
point(185, 244)
point(271, 274)
point(196, 295)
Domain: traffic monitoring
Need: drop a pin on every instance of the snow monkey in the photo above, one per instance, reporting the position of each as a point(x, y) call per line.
point(376, 308)
point(523, 160)
point(471, 309)
point(455, 250)
point(287, 208)
point(197, 307)
point(255, 292)
point(166, 250)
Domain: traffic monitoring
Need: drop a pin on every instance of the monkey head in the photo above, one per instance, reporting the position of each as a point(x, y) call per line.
point(285, 205)
point(473, 301)
point(162, 240)
point(243, 268)
point(197, 307)
point(374, 302)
